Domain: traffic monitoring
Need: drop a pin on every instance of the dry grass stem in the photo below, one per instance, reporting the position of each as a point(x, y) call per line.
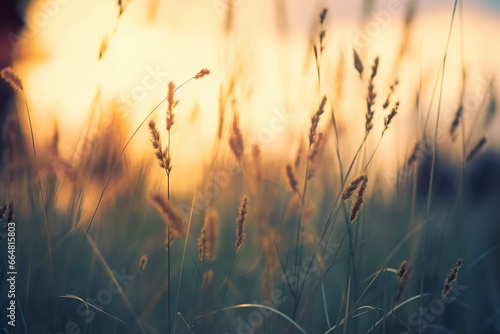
point(456, 123)
point(322, 16)
point(241, 222)
point(103, 47)
point(315, 121)
point(171, 216)
point(351, 188)
point(202, 73)
point(357, 204)
point(475, 150)
point(160, 153)
point(207, 242)
point(296, 163)
point(451, 278)
point(318, 49)
point(358, 64)
point(413, 156)
point(388, 118)
point(370, 99)
point(402, 269)
point(389, 95)
point(318, 145)
point(11, 77)
point(172, 103)
point(292, 178)
point(236, 139)
point(403, 274)
point(374, 68)
point(316, 148)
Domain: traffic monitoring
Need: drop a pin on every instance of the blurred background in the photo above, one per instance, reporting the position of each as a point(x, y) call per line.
point(267, 43)
point(93, 70)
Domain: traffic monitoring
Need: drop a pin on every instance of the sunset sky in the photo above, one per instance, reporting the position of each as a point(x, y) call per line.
point(153, 43)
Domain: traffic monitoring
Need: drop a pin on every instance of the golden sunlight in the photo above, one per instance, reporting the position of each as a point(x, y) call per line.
point(249, 166)
point(271, 61)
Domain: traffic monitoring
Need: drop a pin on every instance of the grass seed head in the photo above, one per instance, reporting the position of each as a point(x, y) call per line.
point(316, 149)
point(322, 16)
point(374, 67)
point(388, 118)
point(389, 95)
point(315, 120)
point(414, 156)
point(172, 103)
point(202, 73)
point(456, 123)
point(358, 64)
point(370, 99)
point(402, 269)
point(241, 222)
point(207, 242)
point(358, 203)
point(291, 178)
point(298, 156)
point(11, 77)
point(351, 188)
point(172, 218)
point(236, 139)
point(160, 153)
point(403, 275)
point(451, 278)
point(475, 150)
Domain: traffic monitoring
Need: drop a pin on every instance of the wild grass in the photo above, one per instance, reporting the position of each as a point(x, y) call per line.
point(307, 240)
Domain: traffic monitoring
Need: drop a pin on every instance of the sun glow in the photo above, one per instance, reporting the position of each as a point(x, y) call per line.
point(271, 65)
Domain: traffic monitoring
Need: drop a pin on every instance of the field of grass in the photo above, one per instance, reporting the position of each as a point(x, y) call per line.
point(366, 204)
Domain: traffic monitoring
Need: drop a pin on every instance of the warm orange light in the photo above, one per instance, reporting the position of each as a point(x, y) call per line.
point(276, 89)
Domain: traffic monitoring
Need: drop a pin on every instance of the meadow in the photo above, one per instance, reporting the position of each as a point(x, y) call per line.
point(361, 196)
